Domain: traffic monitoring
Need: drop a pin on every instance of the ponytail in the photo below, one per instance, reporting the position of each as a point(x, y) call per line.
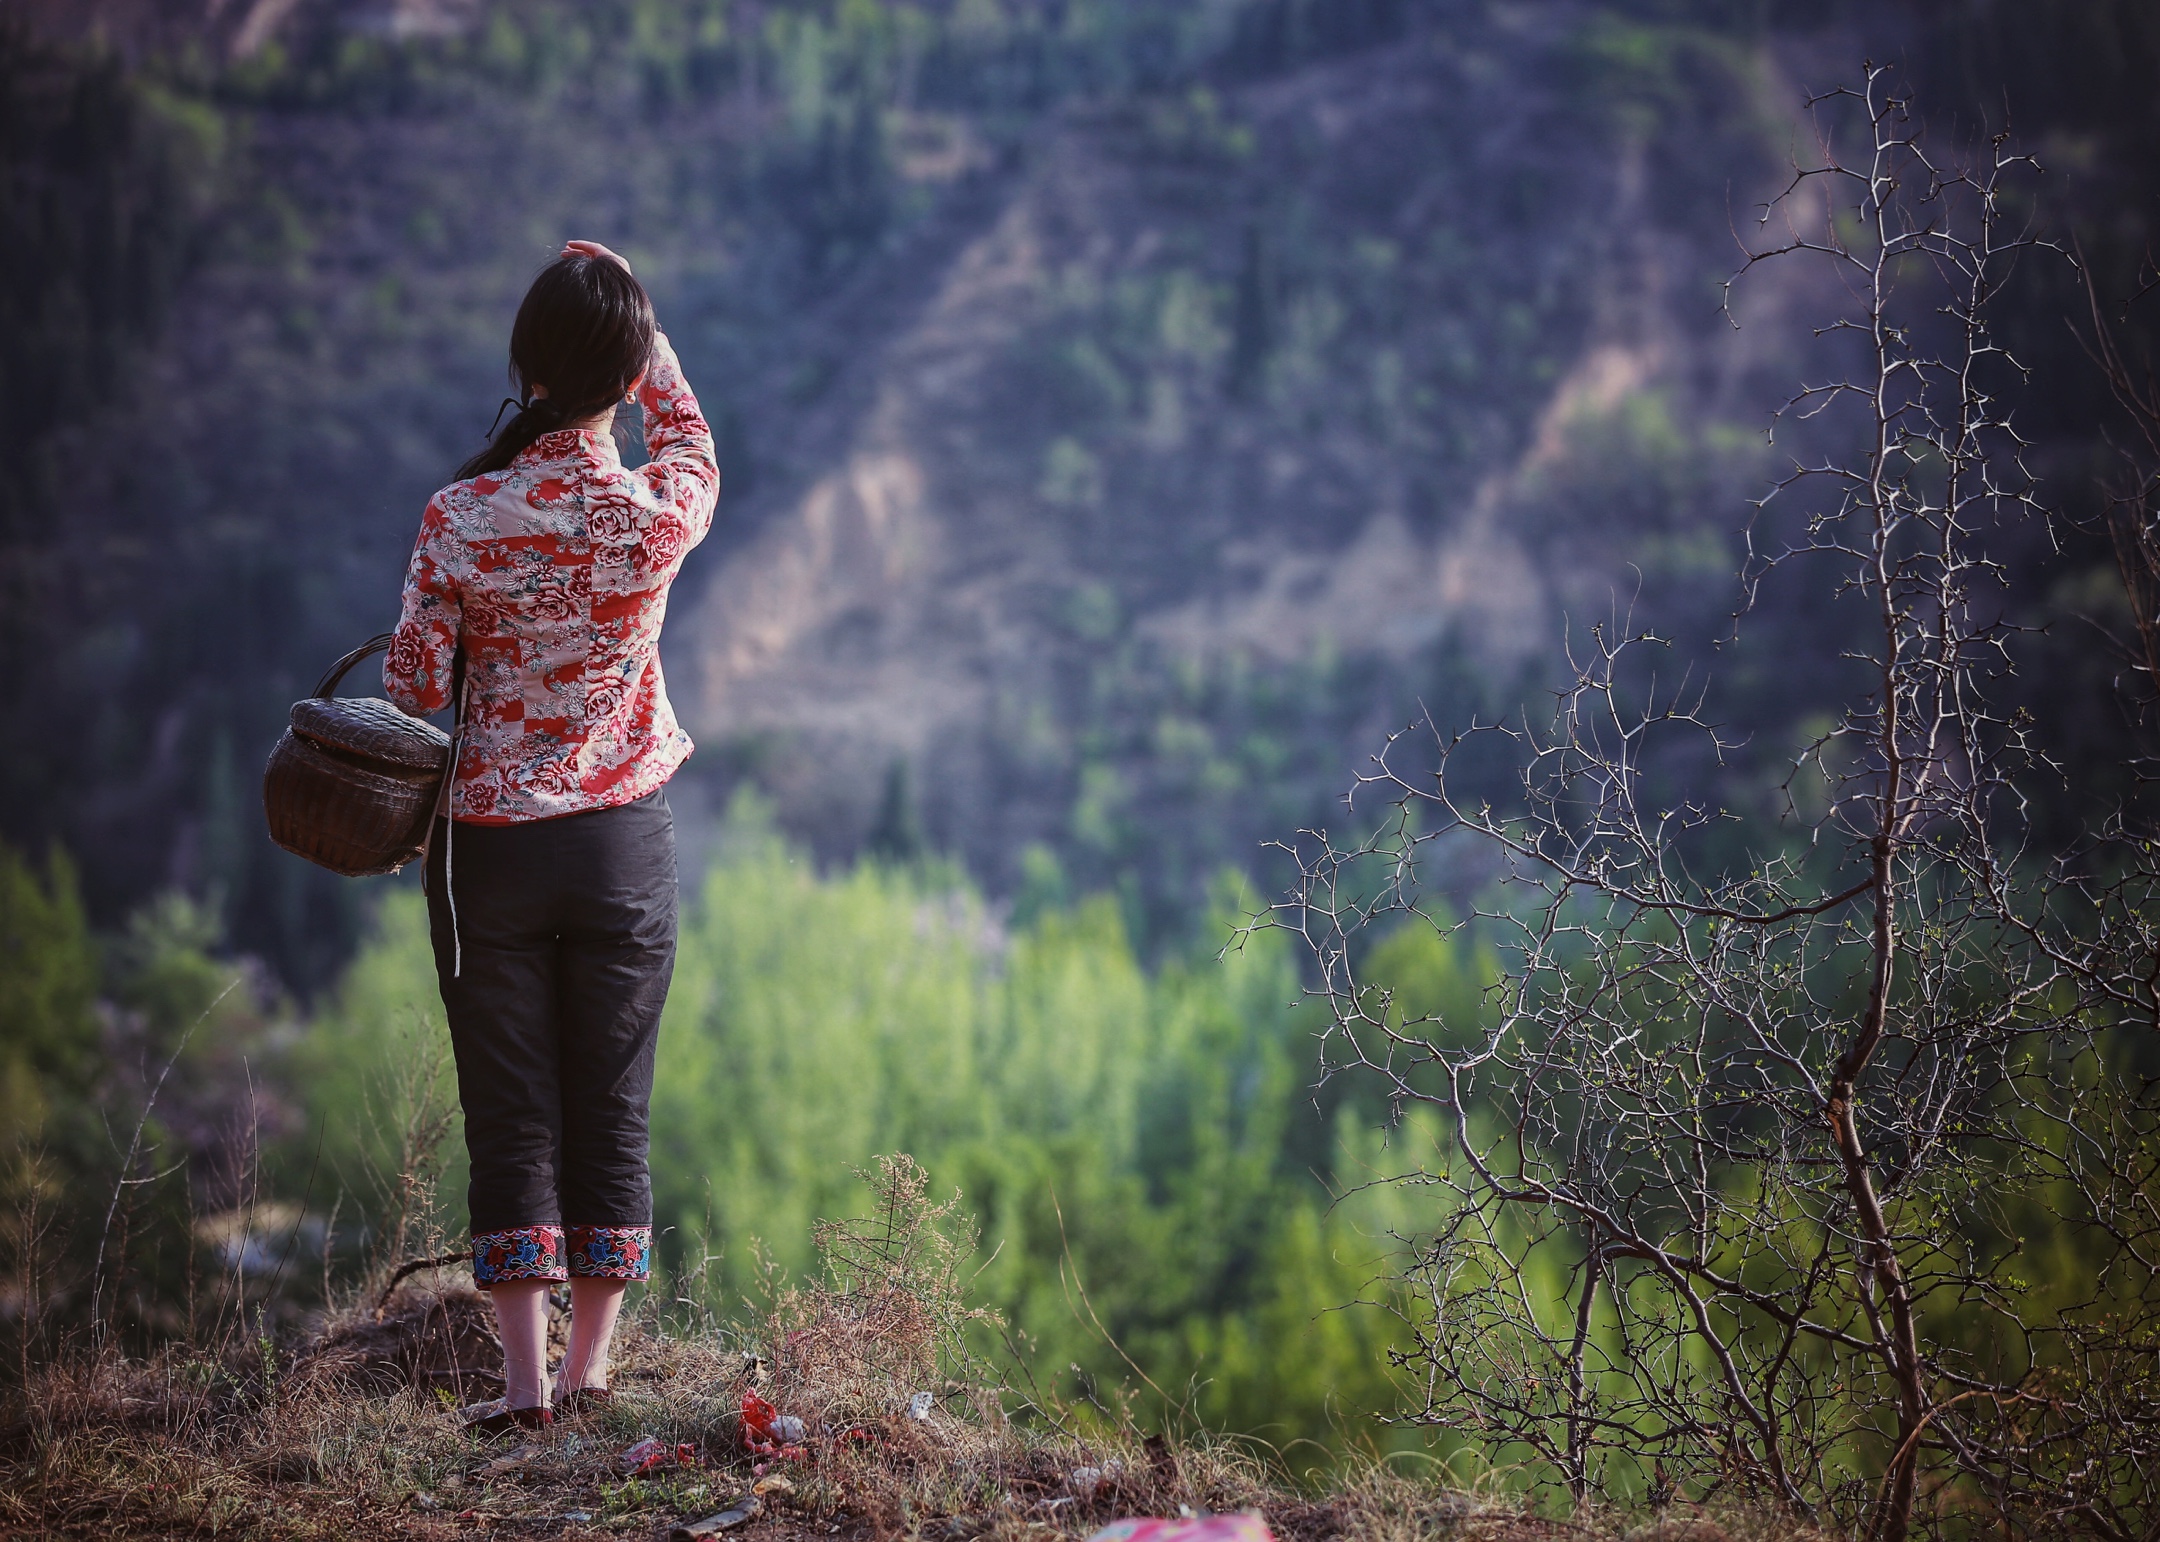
point(585, 331)
point(534, 417)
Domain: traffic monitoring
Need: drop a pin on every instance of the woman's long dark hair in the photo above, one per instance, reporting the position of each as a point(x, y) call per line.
point(585, 332)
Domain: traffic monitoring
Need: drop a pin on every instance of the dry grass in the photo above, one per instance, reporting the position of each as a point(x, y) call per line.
point(354, 1434)
point(181, 1448)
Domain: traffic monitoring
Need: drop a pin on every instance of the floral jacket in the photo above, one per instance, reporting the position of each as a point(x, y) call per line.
point(555, 571)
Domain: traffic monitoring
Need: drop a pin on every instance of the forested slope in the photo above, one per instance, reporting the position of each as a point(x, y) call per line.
point(1127, 411)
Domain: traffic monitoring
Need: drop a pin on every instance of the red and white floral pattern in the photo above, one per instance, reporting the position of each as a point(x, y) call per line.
point(555, 572)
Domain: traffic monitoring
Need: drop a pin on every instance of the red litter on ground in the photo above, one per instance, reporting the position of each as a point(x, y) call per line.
point(1246, 1526)
point(769, 1432)
point(651, 1453)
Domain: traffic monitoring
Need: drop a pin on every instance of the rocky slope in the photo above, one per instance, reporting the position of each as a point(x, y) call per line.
point(1278, 374)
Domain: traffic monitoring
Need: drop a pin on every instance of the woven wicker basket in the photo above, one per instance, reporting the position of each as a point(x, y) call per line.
point(354, 783)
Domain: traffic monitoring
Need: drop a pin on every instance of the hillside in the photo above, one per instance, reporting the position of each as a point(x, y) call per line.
point(1126, 417)
point(1203, 393)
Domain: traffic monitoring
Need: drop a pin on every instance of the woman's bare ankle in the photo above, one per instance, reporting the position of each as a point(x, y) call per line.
point(521, 1323)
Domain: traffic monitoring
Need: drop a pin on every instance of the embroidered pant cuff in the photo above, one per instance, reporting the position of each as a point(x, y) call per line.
point(611, 1252)
point(522, 1253)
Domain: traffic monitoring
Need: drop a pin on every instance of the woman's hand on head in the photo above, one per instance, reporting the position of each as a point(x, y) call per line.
point(594, 250)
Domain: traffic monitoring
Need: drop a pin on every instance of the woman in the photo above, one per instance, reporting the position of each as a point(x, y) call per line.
point(544, 571)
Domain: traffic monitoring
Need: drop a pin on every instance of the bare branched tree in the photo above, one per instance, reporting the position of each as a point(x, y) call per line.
point(2133, 506)
point(1824, 1174)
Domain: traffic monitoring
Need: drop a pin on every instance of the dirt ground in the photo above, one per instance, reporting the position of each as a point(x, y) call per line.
point(356, 1435)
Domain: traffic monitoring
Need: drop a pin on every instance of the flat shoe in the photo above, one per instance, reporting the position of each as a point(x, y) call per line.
point(495, 1416)
point(584, 1400)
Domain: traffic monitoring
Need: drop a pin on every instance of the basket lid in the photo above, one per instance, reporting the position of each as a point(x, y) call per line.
point(372, 727)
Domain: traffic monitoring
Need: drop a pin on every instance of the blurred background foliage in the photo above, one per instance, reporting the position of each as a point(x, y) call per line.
point(1149, 1178)
point(252, 307)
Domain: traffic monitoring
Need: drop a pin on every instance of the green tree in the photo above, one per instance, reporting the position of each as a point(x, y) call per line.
point(48, 990)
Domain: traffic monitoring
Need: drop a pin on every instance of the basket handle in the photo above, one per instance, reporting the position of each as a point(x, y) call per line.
point(329, 682)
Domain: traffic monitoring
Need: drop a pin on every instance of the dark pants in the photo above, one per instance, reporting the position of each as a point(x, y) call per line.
point(566, 944)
